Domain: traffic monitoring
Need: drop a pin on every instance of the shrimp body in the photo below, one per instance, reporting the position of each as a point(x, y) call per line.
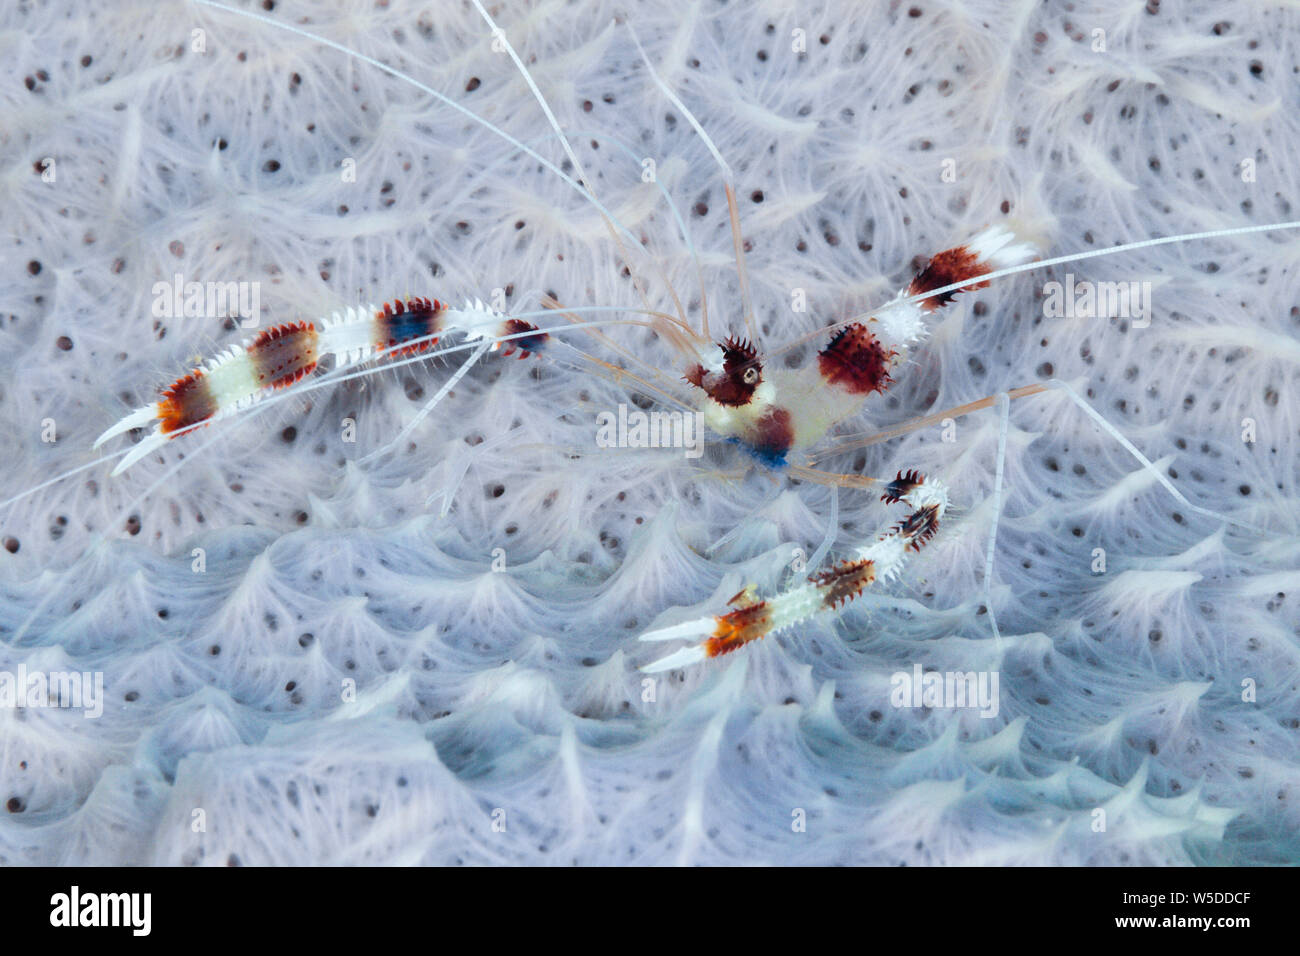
point(772, 413)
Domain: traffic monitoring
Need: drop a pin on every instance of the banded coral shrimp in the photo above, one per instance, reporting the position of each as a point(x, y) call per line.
point(520, 645)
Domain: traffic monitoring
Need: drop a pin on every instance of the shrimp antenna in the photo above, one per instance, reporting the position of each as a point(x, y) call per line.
point(729, 180)
point(500, 36)
point(425, 88)
point(677, 217)
point(965, 284)
point(659, 328)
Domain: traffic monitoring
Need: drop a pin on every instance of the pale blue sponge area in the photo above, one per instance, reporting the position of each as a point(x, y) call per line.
point(431, 656)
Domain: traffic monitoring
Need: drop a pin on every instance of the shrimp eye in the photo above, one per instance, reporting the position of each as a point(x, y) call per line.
point(740, 375)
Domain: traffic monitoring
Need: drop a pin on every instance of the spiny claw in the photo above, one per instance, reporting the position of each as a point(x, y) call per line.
point(753, 618)
point(721, 635)
point(146, 446)
point(138, 418)
point(696, 628)
point(683, 657)
point(690, 654)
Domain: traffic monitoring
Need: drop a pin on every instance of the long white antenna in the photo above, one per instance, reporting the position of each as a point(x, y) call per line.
point(424, 88)
point(729, 179)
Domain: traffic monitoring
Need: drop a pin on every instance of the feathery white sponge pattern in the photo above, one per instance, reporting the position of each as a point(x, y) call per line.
point(358, 674)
